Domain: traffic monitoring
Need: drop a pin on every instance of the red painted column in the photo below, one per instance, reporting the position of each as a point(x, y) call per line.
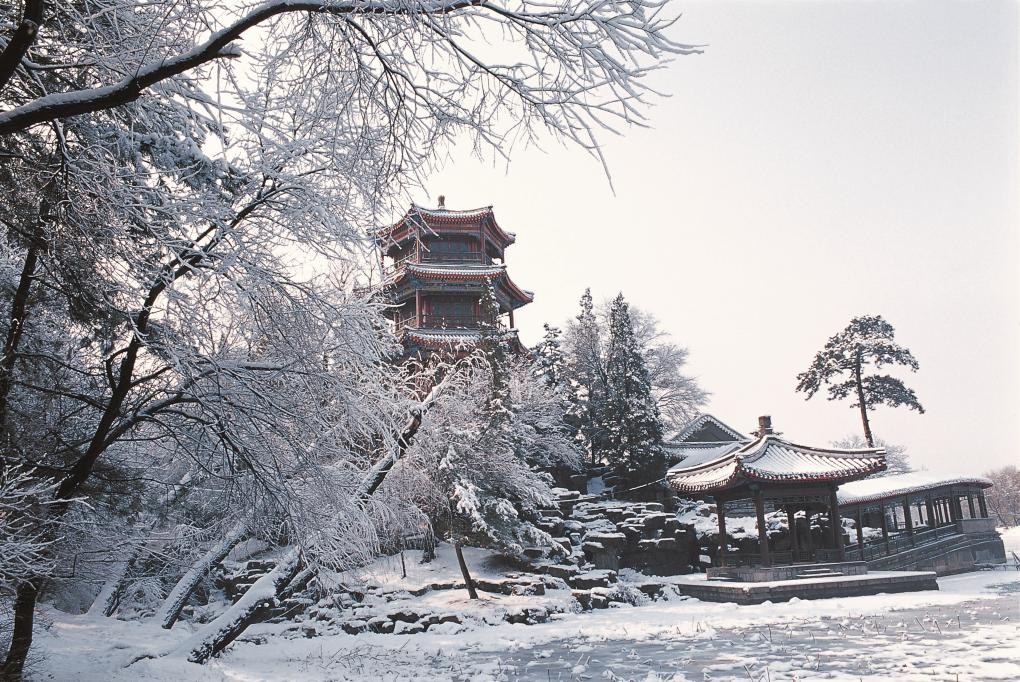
point(417, 307)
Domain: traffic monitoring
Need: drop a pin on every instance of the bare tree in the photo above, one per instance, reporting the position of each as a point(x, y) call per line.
point(1003, 498)
point(896, 458)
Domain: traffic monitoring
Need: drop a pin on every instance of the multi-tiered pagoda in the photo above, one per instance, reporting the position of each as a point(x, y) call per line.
point(439, 263)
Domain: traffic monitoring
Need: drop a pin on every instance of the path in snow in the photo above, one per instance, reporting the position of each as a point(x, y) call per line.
point(974, 640)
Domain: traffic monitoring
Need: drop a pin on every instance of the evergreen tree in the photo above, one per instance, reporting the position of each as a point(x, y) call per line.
point(842, 366)
point(549, 359)
point(587, 388)
point(634, 431)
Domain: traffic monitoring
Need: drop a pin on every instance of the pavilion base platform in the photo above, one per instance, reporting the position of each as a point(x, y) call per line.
point(760, 574)
point(875, 582)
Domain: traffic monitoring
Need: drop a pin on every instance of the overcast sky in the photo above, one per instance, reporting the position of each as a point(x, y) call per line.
point(821, 160)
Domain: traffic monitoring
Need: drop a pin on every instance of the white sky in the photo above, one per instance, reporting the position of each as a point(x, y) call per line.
point(821, 160)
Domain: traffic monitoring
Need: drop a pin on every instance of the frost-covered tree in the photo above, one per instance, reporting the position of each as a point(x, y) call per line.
point(849, 365)
point(677, 394)
point(550, 362)
point(587, 380)
point(1003, 498)
point(484, 443)
point(184, 232)
point(634, 432)
point(896, 458)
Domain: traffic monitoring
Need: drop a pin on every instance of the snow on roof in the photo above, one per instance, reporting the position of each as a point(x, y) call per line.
point(456, 270)
point(692, 454)
point(699, 421)
point(449, 338)
point(420, 217)
point(770, 458)
point(459, 271)
point(898, 485)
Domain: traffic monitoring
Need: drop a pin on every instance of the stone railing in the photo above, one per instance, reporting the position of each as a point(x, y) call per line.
point(976, 525)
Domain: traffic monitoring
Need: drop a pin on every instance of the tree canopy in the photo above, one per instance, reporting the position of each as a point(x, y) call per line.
point(849, 367)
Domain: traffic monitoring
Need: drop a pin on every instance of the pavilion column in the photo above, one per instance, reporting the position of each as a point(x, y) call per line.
point(417, 307)
point(512, 318)
point(970, 506)
point(908, 519)
point(720, 511)
point(837, 524)
point(763, 536)
point(954, 515)
point(930, 511)
point(809, 545)
point(860, 530)
point(885, 527)
point(982, 505)
point(791, 522)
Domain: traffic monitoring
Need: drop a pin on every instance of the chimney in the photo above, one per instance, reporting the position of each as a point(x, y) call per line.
point(442, 201)
point(764, 425)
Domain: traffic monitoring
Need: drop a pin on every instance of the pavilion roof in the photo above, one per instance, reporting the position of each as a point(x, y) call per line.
point(899, 485)
point(770, 458)
point(702, 420)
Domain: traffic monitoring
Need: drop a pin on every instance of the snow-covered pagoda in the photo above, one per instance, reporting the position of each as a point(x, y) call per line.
point(440, 261)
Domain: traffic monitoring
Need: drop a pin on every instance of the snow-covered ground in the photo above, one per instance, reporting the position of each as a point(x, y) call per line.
point(968, 630)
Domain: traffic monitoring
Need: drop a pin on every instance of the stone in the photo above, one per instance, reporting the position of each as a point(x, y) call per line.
point(564, 571)
point(405, 616)
point(354, 627)
point(583, 598)
point(534, 552)
point(381, 625)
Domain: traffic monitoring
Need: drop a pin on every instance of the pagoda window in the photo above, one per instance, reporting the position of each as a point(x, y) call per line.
point(452, 248)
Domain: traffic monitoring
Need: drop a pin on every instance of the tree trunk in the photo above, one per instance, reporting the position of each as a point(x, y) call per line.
point(16, 323)
point(21, 637)
point(254, 605)
point(108, 598)
point(860, 401)
point(21, 41)
point(468, 582)
point(171, 607)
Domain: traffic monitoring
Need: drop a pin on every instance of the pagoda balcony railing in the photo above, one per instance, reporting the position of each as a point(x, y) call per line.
point(442, 322)
point(436, 258)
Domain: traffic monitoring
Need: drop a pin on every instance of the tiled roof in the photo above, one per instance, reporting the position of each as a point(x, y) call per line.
point(699, 421)
point(697, 453)
point(900, 485)
point(448, 339)
point(427, 218)
point(770, 458)
point(459, 272)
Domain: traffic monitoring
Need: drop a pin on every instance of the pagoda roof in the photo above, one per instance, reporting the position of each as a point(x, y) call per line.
point(419, 217)
point(770, 458)
point(460, 272)
point(448, 339)
point(881, 488)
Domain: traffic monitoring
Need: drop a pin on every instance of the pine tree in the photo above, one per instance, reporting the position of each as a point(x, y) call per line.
point(587, 389)
point(549, 359)
point(634, 431)
point(842, 366)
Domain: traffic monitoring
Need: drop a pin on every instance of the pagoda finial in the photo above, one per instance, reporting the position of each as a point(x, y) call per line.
point(442, 201)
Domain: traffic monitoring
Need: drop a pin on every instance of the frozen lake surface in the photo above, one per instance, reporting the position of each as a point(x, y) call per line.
point(974, 640)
